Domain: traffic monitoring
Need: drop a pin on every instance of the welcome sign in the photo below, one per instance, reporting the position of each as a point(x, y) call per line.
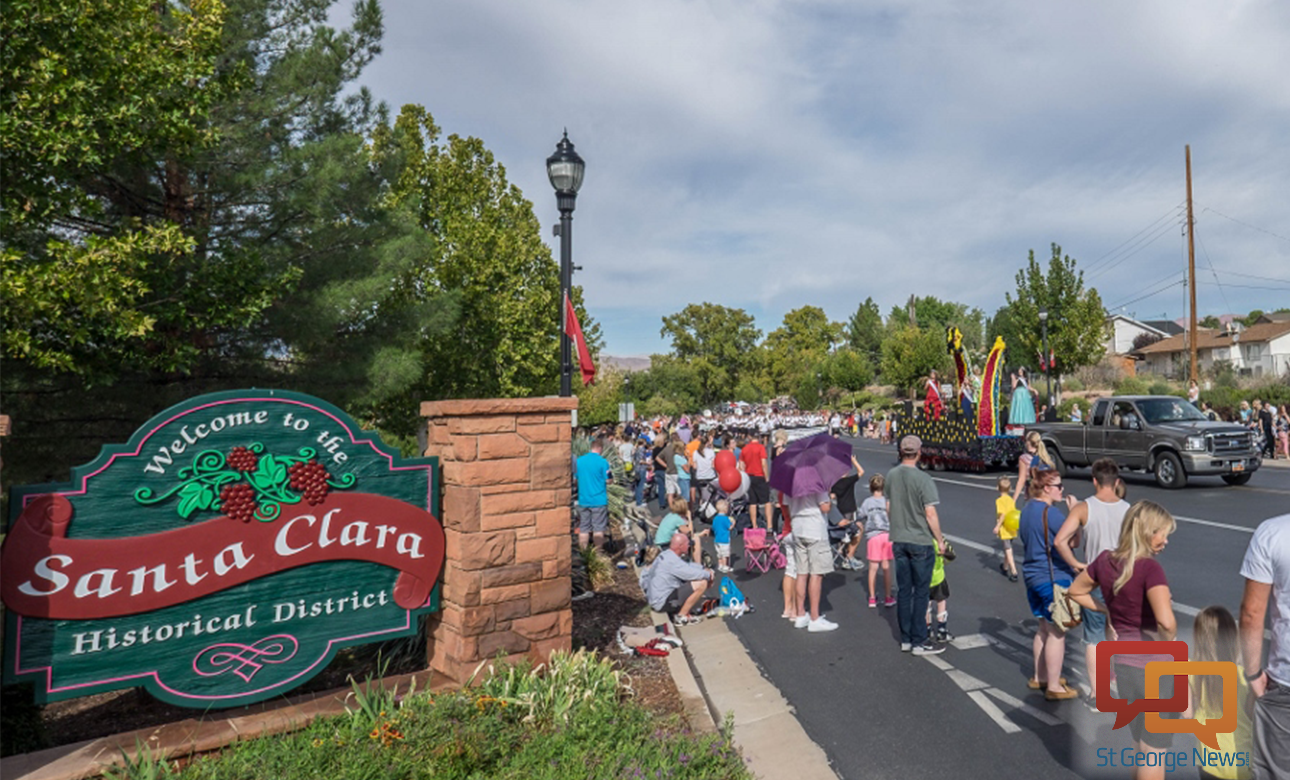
point(221, 557)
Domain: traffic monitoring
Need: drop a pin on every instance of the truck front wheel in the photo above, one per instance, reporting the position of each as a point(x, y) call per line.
point(1059, 465)
point(1169, 471)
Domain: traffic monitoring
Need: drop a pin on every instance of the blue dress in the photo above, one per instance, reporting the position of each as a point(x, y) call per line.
point(1022, 409)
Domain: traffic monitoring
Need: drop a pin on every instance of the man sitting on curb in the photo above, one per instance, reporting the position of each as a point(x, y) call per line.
point(672, 580)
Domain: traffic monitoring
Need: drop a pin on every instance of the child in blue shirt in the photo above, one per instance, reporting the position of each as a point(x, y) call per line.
point(721, 526)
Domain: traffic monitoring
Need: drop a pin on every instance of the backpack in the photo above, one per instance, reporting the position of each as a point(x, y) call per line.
point(731, 596)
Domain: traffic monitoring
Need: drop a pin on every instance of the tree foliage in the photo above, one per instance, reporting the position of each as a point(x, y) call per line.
point(865, 331)
point(910, 353)
point(82, 87)
point(934, 315)
point(262, 223)
point(482, 247)
point(1076, 319)
point(802, 341)
point(719, 343)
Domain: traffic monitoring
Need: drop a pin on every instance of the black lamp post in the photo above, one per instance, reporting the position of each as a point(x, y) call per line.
point(564, 169)
point(1048, 379)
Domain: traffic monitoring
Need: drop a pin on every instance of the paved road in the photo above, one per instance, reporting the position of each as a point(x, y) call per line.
point(879, 713)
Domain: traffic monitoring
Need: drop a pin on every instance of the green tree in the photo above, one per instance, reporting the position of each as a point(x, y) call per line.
point(909, 354)
point(294, 270)
point(719, 342)
point(1249, 319)
point(933, 314)
point(1076, 319)
point(802, 341)
point(865, 331)
point(671, 378)
point(82, 86)
point(846, 370)
point(598, 402)
point(483, 249)
point(1210, 321)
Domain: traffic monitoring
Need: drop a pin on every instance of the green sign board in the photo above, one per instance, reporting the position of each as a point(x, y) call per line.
point(221, 557)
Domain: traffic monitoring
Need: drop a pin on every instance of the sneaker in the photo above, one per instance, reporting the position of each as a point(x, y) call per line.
point(889, 603)
point(873, 603)
point(905, 647)
point(1012, 578)
point(944, 635)
point(929, 648)
point(823, 624)
point(802, 621)
point(856, 564)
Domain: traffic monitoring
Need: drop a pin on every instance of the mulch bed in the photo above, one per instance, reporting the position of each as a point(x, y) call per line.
point(595, 627)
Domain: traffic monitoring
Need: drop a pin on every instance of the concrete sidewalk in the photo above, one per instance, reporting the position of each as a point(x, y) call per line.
point(765, 725)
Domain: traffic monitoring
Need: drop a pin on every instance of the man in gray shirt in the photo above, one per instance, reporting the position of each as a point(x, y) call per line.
point(673, 578)
point(915, 540)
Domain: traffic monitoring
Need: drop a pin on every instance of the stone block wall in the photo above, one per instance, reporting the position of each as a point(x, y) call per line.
point(507, 481)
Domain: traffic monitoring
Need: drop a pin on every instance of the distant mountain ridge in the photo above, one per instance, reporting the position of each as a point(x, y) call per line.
point(627, 363)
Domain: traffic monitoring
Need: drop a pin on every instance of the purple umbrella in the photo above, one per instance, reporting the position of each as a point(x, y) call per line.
point(810, 465)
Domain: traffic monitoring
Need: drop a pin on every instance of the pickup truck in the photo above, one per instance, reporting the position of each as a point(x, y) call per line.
point(1161, 434)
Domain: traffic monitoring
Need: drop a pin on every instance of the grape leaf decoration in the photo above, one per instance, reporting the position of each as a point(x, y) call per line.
point(247, 483)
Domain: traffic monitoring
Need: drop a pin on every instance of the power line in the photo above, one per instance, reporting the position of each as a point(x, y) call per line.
point(1221, 291)
point(1252, 276)
point(1251, 286)
point(1117, 248)
point(1246, 224)
point(1141, 245)
point(1166, 287)
point(1167, 278)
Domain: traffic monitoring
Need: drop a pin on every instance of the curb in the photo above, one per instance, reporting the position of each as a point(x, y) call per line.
point(698, 709)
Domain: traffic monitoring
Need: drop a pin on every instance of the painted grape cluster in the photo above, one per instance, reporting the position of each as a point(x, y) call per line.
point(249, 483)
point(238, 501)
point(310, 479)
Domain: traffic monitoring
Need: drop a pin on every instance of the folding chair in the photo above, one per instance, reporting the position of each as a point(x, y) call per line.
point(756, 550)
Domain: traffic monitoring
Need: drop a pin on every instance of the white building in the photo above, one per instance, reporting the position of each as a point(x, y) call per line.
point(1122, 330)
point(1261, 350)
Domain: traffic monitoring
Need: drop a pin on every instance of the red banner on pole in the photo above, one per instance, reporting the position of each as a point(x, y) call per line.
point(574, 331)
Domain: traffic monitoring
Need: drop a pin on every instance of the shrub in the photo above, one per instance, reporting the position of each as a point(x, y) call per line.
point(1160, 388)
point(1132, 385)
point(568, 718)
point(1072, 384)
point(1065, 407)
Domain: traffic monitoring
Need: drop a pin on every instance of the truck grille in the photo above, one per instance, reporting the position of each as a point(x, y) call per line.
point(1230, 443)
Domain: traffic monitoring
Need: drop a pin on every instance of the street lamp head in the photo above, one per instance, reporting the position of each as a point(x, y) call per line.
point(1043, 315)
point(565, 169)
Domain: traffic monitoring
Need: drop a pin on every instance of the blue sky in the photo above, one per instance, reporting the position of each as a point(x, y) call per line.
point(768, 155)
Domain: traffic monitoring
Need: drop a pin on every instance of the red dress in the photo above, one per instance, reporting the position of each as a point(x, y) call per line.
point(933, 408)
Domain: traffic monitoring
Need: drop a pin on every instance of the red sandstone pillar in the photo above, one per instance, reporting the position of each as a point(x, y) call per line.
point(507, 481)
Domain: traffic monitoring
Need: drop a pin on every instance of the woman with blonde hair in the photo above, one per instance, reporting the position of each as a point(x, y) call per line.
point(1137, 600)
point(1035, 458)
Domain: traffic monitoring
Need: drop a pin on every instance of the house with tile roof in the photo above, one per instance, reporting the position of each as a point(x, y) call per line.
point(1261, 350)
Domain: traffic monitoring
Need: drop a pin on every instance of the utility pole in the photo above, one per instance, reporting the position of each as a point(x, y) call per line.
point(1191, 268)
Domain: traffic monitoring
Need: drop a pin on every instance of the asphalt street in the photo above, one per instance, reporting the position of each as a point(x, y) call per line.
point(880, 713)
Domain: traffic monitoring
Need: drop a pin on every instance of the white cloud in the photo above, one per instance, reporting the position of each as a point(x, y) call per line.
point(768, 155)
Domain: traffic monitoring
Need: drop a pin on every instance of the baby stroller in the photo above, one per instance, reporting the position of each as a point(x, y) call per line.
point(707, 505)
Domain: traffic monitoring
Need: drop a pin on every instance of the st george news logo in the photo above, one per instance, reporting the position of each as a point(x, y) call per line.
point(1152, 705)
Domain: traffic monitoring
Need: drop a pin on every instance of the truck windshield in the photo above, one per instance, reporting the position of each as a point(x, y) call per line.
point(1162, 410)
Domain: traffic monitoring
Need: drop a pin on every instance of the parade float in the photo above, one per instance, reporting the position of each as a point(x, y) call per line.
point(967, 435)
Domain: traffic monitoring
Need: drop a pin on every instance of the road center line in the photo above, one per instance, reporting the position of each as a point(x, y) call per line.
point(1196, 520)
point(1186, 609)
